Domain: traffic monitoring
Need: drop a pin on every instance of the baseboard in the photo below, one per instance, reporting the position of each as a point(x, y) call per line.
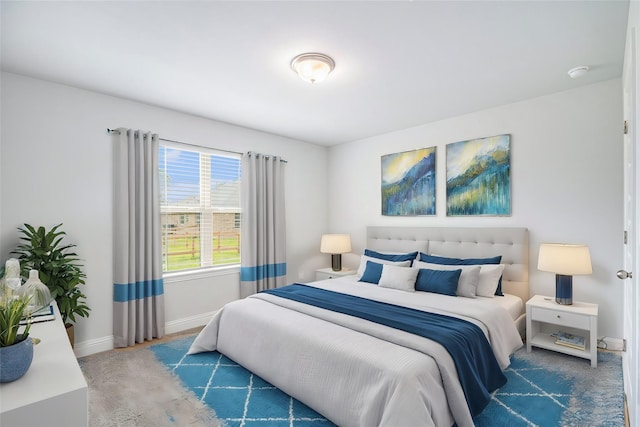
point(98, 345)
point(188, 323)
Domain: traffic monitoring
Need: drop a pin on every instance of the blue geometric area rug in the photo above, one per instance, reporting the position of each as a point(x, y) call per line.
point(544, 389)
point(237, 396)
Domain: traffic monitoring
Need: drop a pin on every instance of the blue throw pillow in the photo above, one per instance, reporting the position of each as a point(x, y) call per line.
point(459, 261)
point(391, 257)
point(372, 273)
point(443, 282)
point(465, 261)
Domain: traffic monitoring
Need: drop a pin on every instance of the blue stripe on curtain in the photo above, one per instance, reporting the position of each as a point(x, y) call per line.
point(259, 272)
point(139, 290)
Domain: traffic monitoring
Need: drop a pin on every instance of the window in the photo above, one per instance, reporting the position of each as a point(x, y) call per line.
point(200, 207)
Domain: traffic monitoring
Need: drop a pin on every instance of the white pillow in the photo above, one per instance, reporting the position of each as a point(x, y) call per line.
point(402, 278)
point(489, 277)
point(364, 259)
point(469, 277)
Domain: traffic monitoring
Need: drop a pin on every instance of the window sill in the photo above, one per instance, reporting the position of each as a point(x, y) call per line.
point(201, 273)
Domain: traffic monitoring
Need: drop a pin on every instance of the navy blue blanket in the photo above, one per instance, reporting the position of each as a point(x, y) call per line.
point(477, 367)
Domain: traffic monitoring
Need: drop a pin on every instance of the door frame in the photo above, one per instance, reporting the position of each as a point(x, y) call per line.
point(631, 303)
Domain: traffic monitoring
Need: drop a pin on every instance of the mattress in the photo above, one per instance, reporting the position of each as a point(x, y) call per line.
point(352, 371)
point(511, 303)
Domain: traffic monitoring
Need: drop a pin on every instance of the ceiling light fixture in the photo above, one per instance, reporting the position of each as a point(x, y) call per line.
point(576, 72)
point(312, 67)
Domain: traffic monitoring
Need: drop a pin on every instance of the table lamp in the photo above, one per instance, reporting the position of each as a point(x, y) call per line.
point(566, 260)
point(336, 245)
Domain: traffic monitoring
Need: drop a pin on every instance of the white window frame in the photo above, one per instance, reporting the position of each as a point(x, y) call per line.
point(206, 211)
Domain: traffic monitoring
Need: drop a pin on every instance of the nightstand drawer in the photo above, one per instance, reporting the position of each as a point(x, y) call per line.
point(560, 318)
point(321, 275)
point(328, 273)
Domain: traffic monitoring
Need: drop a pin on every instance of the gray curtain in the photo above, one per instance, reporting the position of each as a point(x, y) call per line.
point(263, 238)
point(138, 290)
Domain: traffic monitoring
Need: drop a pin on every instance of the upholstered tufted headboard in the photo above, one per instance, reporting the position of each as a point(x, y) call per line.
point(463, 242)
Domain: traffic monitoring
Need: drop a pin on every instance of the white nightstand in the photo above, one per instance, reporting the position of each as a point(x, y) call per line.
point(328, 273)
point(545, 316)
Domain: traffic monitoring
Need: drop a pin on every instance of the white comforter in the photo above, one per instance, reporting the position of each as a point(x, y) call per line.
point(352, 371)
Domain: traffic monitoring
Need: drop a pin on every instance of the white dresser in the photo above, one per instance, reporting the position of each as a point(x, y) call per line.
point(53, 392)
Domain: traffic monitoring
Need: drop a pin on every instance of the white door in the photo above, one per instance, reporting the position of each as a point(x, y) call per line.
point(630, 271)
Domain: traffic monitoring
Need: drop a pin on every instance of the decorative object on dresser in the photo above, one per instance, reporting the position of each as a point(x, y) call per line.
point(336, 245)
point(570, 329)
point(37, 292)
point(566, 260)
point(16, 349)
point(15, 359)
point(59, 268)
point(12, 277)
point(18, 305)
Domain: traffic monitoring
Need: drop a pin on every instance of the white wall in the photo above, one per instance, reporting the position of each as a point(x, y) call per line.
point(56, 166)
point(566, 171)
point(566, 186)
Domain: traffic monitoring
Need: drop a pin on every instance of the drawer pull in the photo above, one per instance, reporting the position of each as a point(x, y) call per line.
point(558, 316)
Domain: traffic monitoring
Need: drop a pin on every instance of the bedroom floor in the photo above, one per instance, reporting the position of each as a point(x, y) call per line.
point(179, 335)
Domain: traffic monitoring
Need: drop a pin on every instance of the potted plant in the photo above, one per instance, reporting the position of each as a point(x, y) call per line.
point(59, 268)
point(16, 350)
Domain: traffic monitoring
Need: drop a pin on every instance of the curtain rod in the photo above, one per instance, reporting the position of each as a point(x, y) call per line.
point(116, 131)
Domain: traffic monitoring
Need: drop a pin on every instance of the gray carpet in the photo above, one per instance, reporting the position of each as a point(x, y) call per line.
point(131, 388)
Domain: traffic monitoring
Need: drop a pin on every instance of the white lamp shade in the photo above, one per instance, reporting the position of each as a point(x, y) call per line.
point(565, 259)
point(335, 244)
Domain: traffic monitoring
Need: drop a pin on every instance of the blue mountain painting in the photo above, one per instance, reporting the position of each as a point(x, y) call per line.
point(484, 186)
point(415, 192)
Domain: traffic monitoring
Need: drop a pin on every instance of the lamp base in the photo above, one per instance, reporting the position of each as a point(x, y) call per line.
point(336, 262)
point(564, 289)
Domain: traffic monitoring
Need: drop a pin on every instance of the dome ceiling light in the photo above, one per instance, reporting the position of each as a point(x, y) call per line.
point(312, 67)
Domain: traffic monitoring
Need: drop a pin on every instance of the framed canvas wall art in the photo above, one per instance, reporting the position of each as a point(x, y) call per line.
point(409, 183)
point(479, 177)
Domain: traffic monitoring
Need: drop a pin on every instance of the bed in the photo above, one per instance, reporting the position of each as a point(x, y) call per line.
point(357, 372)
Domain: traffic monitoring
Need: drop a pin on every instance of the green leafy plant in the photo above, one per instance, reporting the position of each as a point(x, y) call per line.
point(58, 266)
point(12, 310)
